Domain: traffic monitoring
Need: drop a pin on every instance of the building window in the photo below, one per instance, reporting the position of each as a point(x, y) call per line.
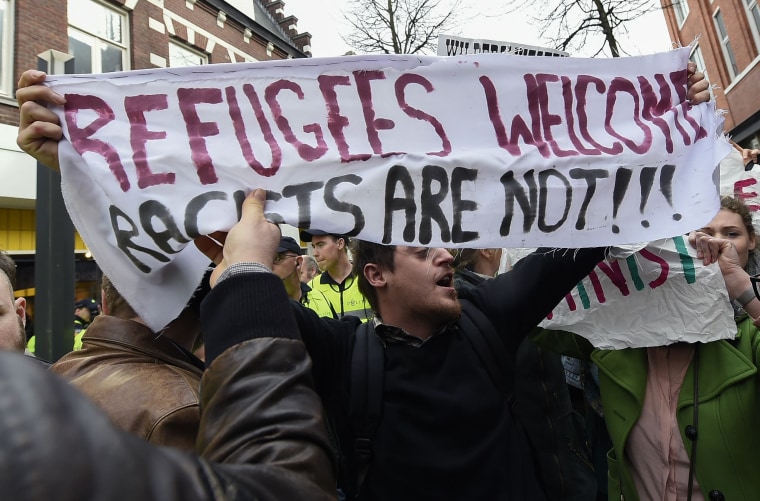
point(696, 58)
point(681, 10)
point(753, 13)
point(6, 47)
point(182, 55)
point(97, 37)
point(728, 52)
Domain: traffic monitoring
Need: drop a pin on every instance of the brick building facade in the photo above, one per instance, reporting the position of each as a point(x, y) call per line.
point(726, 45)
point(115, 35)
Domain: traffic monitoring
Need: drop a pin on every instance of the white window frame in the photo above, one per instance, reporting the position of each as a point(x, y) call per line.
point(752, 8)
point(178, 44)
point(681, 11)
point(6, 52)
point(725, 44)
point(697, 58)
point(97, 41)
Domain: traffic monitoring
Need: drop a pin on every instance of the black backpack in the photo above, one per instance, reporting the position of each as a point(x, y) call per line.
point(562, 464)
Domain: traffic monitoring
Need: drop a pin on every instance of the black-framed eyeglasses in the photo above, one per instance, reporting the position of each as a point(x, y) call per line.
point(281, 257)
point(755, 279)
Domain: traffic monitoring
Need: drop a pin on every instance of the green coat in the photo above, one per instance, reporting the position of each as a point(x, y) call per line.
point(728, 435)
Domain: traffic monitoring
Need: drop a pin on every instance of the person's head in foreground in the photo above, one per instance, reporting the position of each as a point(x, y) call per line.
point(12, 310)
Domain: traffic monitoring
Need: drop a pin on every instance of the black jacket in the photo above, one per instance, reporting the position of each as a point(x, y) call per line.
point(445, 429)
point(543, 410)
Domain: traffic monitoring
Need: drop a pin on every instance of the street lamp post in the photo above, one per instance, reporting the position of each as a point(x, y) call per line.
point(54, 257)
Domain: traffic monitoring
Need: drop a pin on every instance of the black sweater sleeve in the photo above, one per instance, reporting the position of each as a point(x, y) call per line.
point(329, 343)
point(243, 307)
point(518, 300)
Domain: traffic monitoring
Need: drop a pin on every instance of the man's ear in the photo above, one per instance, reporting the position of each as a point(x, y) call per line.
point(20, 305)
point(103, 302)
point(374, 275)
point(299, 262)
point(341, 243)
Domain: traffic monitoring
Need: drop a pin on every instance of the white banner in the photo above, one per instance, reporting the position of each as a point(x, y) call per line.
point(667, 295)
point(736, 182)
point(470, 151)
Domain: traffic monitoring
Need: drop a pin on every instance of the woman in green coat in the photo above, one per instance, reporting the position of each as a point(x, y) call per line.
point(684, 418)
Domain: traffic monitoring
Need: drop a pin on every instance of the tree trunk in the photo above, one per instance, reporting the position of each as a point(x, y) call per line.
point(609, 36)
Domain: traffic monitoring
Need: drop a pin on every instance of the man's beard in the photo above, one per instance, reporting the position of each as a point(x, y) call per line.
point(450, 311)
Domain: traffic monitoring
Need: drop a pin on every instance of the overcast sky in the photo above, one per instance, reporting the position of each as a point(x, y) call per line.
point(323, 19)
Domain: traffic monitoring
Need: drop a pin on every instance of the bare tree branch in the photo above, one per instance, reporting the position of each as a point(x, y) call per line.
point(400, 26)
point(570, 24)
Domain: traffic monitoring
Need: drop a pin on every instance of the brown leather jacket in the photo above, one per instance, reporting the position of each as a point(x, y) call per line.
point(148, 386)
point(262, 433)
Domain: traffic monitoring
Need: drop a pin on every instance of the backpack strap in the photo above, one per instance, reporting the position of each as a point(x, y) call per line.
point(490, 347)
point(499, 356)
point(366, 400)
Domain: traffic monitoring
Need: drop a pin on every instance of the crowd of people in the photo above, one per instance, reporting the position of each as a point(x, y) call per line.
point(388, 373)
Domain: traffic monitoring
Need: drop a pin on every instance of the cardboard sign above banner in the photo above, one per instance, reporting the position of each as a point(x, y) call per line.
point(468, 151)
point(449, 45)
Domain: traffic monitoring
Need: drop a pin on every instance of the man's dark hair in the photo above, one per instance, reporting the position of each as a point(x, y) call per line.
point(365, 253)
point(8, 266)
point(346, 241)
